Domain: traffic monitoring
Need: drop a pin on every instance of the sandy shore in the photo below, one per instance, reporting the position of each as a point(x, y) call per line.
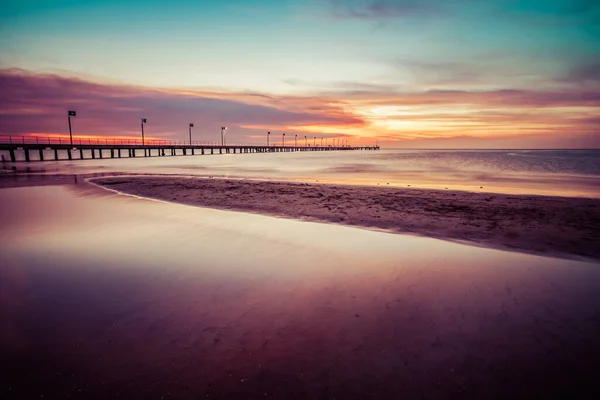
point(557, 226)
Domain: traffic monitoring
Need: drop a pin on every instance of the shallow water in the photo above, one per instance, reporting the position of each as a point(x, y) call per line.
point(547, 172)
point(105, 294)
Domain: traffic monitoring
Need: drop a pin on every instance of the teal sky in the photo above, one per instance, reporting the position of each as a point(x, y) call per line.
point(353, 50)
point(289, 46)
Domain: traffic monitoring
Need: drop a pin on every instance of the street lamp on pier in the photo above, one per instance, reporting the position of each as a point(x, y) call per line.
point(223, 129)
point(268, 135)
point(144, 120)
point(191, 126)
point(70, 114)
point(283, 139)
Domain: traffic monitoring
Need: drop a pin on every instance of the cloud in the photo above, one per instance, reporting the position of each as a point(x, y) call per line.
point(509, 98)
point(387, 9)
point(33, 103)
point(584, 73)
point(379, 9)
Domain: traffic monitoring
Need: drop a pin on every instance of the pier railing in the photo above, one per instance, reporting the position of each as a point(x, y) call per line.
point(80, 141)
point(88, 141)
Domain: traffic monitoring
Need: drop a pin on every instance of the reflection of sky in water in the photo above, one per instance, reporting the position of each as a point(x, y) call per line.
point(557, 172)
point(126, 289)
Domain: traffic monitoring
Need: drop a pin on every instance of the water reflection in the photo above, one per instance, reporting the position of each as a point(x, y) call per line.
point(105, 293)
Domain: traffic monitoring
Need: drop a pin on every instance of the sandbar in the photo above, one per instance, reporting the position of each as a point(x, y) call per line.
point(556, 226)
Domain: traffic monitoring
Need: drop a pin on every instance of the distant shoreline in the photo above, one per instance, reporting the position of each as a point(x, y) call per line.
point(554, 226)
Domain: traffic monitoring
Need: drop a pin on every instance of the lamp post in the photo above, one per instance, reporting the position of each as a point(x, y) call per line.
point(223, 129)
point(268, 135)
point(321, 142)
point(70, 114)
point(191, 126)
point(295, 140)
point(305, 142)
point(283, 139)
point(144, 120)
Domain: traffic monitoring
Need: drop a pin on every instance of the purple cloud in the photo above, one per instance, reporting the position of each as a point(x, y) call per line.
point(584, 73)
point(31, 103)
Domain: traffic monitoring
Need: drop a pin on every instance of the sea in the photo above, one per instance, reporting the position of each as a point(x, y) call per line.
point(573, 173)
point(105, 295)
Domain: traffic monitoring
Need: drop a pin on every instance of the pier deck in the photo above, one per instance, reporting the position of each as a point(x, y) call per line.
point(27, 149)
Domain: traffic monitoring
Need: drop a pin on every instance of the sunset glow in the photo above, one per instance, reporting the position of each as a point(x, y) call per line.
point(409, 74)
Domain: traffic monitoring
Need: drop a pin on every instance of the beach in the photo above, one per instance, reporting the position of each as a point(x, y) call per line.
point(557, 226)
point(244, 277)
point(105, 295)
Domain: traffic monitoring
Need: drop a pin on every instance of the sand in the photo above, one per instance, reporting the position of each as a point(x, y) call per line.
point(556, 226)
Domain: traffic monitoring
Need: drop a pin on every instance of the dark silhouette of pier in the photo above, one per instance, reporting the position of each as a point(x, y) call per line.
point(37, 148)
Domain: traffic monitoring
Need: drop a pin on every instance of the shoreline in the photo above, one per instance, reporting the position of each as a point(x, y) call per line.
point(566, 227)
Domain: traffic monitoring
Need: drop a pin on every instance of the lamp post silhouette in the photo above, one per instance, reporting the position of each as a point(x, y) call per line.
point(321, 142)
point(305, 142)
point(268, 135)
point(144, 120)
point(70, 114)
point(223, 129)
point(191, 126)
point(295, 140)
point(283, 139)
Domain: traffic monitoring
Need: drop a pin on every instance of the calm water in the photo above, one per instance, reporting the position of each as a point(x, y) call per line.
point(553, 172)
point(108, 296)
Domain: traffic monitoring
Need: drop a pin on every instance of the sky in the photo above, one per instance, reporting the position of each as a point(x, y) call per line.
point(403, 73)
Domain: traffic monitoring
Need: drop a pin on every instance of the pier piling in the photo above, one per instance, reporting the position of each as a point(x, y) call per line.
point(14, 145)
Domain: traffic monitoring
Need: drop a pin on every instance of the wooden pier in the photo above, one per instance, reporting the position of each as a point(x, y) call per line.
point(28, 148)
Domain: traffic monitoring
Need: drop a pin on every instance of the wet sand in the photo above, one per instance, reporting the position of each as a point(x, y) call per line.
point(109, 296)
point(556, 226)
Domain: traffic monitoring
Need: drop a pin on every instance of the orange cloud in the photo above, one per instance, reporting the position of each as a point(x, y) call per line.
point(33, 103)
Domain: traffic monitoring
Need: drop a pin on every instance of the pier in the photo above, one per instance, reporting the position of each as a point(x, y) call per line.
point(36, 148)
